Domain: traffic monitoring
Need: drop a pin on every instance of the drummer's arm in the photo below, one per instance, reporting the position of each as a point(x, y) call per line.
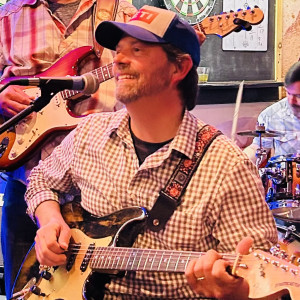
point(250, 151)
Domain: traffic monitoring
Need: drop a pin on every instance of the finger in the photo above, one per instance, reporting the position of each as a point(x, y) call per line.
point(64, 238)
point(46, 256)
point(22, 96)
point(208, 261)
point(220, 273)
point(244, 245)
point(190, 274)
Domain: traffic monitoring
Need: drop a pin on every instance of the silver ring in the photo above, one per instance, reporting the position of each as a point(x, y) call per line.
point(200, 278)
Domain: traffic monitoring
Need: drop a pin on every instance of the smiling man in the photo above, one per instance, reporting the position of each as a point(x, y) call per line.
point(122, 159)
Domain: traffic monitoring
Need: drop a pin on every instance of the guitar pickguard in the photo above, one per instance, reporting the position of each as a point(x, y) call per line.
point(52, 117)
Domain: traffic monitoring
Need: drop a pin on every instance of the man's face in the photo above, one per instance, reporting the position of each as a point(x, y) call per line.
point(140, 69)
point(293, 95)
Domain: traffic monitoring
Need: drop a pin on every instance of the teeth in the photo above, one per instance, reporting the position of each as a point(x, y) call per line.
point(125, 77)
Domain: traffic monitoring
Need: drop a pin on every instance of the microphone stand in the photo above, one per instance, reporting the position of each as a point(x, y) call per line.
point(47, 92)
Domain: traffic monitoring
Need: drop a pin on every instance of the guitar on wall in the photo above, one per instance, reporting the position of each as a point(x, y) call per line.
point(18, 143)
point(100, 248)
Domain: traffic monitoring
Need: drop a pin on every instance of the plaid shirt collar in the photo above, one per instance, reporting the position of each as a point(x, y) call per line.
point(184, 141)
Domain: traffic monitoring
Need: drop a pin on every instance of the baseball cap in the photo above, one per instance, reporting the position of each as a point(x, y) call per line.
point(154, 25)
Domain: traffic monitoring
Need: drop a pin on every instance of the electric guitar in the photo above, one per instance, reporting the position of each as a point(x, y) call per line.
point(100, 249)
point(17, 144)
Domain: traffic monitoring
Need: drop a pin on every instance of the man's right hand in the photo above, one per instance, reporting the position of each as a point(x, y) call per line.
point(13, 100)
point(52, 239)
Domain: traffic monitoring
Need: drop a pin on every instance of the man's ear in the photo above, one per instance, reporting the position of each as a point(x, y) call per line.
point(182, 67)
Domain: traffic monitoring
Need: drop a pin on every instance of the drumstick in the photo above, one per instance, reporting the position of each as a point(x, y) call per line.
point(236, 111)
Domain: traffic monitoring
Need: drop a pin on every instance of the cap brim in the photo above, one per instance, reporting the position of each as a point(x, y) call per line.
point(109, 33)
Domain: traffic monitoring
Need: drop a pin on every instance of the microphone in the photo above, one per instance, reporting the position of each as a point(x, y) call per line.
point(87, 83)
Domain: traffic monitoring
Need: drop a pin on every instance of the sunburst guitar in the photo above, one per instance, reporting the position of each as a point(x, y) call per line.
point(17, 144)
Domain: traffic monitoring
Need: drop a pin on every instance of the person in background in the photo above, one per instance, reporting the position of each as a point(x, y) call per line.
point(283, 117)
point(34, 36)
point(125, 158)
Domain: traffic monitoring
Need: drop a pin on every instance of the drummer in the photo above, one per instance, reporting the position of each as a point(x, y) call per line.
point(280, 120)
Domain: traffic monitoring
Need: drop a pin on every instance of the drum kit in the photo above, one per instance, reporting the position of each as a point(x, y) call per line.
point(281, 180)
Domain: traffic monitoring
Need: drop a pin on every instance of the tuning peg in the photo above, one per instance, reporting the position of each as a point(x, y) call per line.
point(238, 29)
point(248, 27)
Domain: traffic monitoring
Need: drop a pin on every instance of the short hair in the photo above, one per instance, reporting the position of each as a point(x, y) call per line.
point(293, 74)
point(188, 87)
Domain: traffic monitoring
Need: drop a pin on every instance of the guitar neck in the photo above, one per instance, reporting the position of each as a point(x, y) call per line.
point(226, 23)
point(133, 259)
point(103, 73)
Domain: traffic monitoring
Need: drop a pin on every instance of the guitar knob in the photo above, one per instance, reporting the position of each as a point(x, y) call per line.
point(13, 153)
point(46, 275)
point(20, 140)
point(37, 291)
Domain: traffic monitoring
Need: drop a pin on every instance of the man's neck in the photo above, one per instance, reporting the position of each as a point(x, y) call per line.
point(155, 120)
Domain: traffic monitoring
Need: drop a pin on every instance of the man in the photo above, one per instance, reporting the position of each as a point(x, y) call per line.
point(283, 117)
point(122, 159)
point(34, 36)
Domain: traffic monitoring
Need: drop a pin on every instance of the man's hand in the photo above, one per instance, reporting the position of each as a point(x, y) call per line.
point(13, 100)
point(208, 275)
point(201, 35)
point(52, 239)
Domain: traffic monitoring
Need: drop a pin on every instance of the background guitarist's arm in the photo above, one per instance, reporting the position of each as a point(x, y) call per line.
point(53, 235)
point(208, 275)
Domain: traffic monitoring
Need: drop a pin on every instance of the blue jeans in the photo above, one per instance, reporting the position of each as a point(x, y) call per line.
point(17, 231)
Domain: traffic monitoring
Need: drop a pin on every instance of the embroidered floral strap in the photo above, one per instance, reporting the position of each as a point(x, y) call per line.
point(170, 197)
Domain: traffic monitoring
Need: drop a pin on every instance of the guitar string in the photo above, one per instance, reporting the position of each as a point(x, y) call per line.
point(115, 252)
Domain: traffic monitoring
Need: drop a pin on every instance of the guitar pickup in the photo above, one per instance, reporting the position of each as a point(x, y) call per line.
point(87, 257)
point(72, 256)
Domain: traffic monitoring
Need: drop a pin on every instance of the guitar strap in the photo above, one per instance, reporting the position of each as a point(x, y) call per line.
point(104, 10)
point(170, 197)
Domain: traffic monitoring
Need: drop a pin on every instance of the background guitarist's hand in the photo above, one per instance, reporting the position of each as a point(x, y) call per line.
point(52, 239)
point(208, 275)
point(201, 35)
point(13, 100)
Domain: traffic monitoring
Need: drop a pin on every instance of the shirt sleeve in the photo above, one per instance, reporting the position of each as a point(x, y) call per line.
point(51, 179)
point(244, 211)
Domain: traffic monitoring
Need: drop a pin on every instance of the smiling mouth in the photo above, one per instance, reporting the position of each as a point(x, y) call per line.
point(126, 76)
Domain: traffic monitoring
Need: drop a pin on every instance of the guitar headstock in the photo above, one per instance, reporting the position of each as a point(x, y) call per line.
point(269, 275)
point(227, 22)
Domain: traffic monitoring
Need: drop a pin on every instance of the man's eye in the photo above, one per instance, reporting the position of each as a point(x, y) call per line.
point(135, 49)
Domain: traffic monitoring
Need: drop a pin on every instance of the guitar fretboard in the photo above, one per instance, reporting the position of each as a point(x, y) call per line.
point(106, 258)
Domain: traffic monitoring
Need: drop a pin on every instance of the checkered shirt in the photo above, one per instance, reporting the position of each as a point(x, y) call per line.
point(223, 202)
point(279, 117)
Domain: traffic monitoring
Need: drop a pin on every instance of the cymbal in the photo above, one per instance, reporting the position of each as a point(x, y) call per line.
point(257, 133)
